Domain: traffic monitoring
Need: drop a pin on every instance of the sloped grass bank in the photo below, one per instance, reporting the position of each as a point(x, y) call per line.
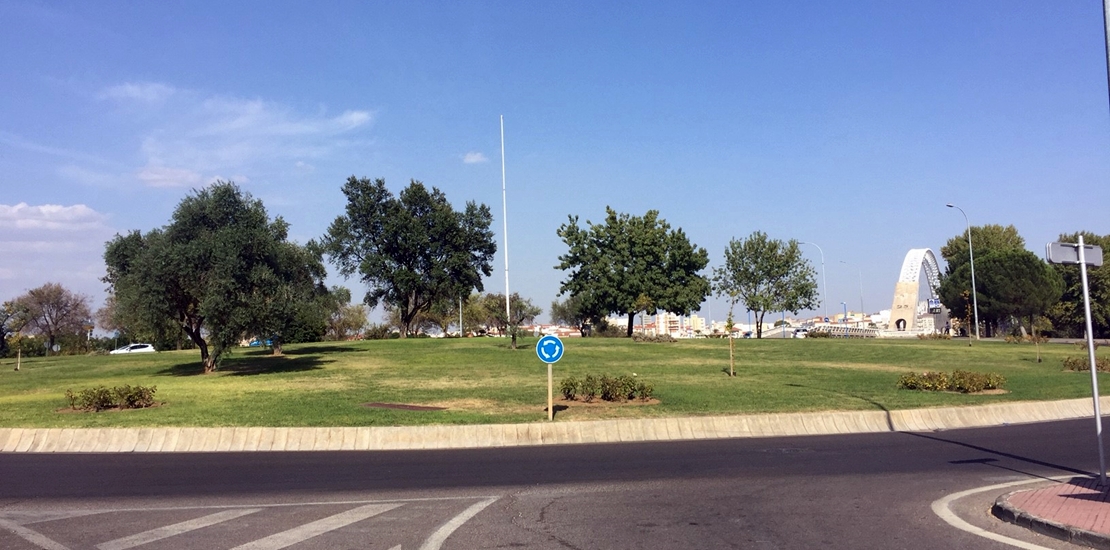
point(480, 380)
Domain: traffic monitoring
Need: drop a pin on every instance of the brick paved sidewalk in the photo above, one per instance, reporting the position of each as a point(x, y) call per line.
point(1076, 510)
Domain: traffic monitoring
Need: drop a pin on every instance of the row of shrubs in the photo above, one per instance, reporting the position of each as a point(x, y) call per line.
point(120, 397)
point(961, 381)
point(659, 338)
point(1102, 364)
point(935, 336)
point(608, 388)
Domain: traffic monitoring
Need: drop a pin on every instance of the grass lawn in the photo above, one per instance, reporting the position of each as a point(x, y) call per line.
point(480, 380)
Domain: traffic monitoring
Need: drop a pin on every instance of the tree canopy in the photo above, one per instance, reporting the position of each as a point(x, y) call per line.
point(615, 265)
point(52, 311)
point(1009, 283)
point(766, 275)
point(985, 239)
point(1067, 316)
point(411, 250)
point(220, 270)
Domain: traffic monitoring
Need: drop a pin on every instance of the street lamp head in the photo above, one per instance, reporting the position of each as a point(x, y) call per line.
point(950, 205)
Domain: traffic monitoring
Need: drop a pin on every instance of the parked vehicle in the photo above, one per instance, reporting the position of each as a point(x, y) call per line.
point(134, 348)
point(800, 332)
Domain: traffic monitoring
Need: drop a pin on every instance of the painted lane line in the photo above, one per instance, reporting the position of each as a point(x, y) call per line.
point(942, 508)
point(175, 529)
point(316, 528)
point(33, 537)
point(437, 539)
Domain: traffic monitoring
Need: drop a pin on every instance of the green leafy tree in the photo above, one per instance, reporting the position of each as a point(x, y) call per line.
point(615, 263)
point(412, 250)
point(11, 321)
point(489, 310)
point(1009, 283)
point(766, 275)
point(286, 297)
point(344, 319)
point(985, 239)
point(571, 311)
point(1067, 316)
point(53, 311)
point(207, 271)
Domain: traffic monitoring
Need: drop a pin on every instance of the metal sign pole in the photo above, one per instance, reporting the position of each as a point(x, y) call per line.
point(550, 393)
point(1094, 368)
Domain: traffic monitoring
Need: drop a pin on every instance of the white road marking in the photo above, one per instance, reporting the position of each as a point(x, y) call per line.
point(941, 507)
point(175, 529)
point(435, 541)
point(33, 537)
point(316, 528)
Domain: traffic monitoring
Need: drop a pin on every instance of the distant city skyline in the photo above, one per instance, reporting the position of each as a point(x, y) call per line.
point(845, 124)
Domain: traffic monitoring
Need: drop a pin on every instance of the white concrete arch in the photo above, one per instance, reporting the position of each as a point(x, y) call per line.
point(903, 314)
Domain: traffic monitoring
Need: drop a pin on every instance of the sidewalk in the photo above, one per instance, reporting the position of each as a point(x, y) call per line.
point(1076, 510)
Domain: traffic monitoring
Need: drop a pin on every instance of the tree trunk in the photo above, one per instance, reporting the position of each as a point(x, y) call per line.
point(192, 329)
point(759, 325)
point(731, 367)
point(275, 344)
point(631, 323)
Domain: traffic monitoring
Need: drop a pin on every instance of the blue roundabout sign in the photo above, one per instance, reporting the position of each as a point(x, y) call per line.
point(549, 349)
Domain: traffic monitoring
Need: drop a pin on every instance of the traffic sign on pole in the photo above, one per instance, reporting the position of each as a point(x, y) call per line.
point(550, 349)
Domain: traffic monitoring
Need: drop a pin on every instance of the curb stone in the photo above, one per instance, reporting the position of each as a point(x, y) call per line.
point(1003, 510)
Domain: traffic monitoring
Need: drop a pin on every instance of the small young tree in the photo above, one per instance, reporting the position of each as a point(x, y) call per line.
point(766, 275)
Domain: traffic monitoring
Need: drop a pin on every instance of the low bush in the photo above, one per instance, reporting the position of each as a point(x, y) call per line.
point(608, 388)
point(818, 334)
point(120, 397)
point(934, 336)
point(590, 388)
point(1083, 364)
point(959, 381)
point(659, 338)
point(1025, 339)
point(569, 387)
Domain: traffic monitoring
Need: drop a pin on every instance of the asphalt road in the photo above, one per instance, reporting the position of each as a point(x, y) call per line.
point(855, 491)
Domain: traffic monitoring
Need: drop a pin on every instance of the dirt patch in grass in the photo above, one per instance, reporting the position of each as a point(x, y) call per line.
point(69, 410)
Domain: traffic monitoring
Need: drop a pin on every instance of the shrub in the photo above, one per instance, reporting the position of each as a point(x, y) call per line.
point(590, 388)
point(608, 388)
point(1083, 364)
point(818, 334)
point(961, 381)
point(376, 332)
point(101, 398)
point(660, 338)
point(569, 388)
point(934, 336)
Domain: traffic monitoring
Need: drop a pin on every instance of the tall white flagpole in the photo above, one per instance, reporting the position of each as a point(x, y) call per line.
point(505, 221)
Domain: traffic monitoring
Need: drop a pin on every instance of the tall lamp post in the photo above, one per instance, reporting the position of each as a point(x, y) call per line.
point(971, 255)
point(862, 312)
point(825, 287)
point(845, 318)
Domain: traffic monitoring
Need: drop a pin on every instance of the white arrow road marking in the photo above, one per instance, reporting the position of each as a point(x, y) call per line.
point(33, 537)
point(435, 541)
point(942, 508)
point(316, 528)
point(175, 529)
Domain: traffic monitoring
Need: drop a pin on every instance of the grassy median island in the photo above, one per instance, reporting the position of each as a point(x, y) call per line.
point(480, 380)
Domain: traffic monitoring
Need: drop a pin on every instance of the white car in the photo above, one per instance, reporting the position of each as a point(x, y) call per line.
point(134, 348)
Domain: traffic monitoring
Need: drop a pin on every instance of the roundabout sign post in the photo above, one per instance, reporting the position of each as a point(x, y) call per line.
point(550, 349)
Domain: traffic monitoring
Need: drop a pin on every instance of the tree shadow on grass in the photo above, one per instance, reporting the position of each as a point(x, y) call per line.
point(249, 366)
point(335, 348)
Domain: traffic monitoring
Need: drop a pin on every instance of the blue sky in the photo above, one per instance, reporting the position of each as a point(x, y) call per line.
point(847, 124)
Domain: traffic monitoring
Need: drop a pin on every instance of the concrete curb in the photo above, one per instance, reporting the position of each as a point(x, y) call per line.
point(1003, 510)
point(153, 440)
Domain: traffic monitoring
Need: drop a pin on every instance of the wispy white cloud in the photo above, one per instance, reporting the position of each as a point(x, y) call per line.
point(146, 92)
point(474, 157)
point(189, 135)
point(161, 176)
point(52, 217)
point(51, 242)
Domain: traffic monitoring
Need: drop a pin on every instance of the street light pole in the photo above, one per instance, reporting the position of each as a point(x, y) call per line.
point(862, 312)
point(845, 318)
point(825, 287)
point(971, 255)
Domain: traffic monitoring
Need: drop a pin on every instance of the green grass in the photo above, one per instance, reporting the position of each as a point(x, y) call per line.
point(480, 380)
